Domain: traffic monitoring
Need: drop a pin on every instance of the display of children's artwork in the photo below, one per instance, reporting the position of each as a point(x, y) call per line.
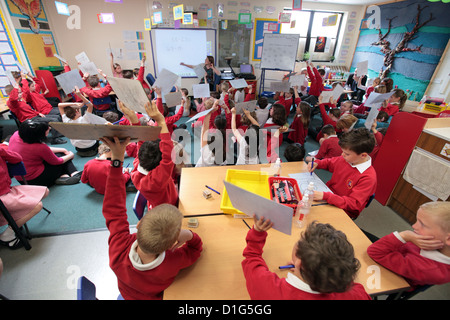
point(178, 12)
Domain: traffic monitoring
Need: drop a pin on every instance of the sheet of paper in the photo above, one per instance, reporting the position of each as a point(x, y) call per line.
point(88, 67)
point(247, 105)
point(173, 99)
point(376, 98)
point(165, 81)
point(200, 114)
point(130, 92)
point(297, 80)
point(337, 91)
point(60, 58)
point(82, 57)
point(68, 81)
point(251, 203)
point(83, 131)
point(304, 178)
point(362, 68)
point(238, 83)
point(201, 90)
point(282, 86)
point(371, 117)
point(199, 70)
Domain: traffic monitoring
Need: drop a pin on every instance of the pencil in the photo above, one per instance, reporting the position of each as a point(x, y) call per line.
point(212, 189)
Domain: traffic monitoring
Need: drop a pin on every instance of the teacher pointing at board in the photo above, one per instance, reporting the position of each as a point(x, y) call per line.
point(210, 72)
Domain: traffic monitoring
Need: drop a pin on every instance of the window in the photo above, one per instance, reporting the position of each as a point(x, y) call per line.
point(319, 32)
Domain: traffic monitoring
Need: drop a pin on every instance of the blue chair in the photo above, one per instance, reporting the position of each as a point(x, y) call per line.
point(150, 79)
point(86, 289)
point(12, 223)
point(139, 205)
point(370, 200)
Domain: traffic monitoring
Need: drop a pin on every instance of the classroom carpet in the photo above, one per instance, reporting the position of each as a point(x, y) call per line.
point(78, 208)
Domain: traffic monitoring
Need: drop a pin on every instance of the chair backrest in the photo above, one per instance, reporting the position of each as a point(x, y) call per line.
point(86, 289)
point(150, 79)
point(98, 101)
point(444, 114)
point(370, 200)
point(139, 205)
point(50, 83)
point(17, 169)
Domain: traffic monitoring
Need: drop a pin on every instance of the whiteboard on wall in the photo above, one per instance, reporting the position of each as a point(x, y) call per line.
point(279, 51)
point(172, 46)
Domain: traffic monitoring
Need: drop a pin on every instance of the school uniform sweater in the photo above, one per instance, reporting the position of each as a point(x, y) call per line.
point(263, 284)
point(21, 109)
point(326, 119)
point(329, 148)
point(351, 186)
point(33, 155)
point(316, 87)
point(391, 109)
point(95, 173)
point(140, 78)
point(135, 279)
point(417, 266)
point(35, 99)
point(11, 157)
point(157, 185)
point(98, 93)
point(300, 131)
point(287, 103)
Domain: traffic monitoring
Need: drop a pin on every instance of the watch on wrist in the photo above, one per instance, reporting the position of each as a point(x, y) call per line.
point(116, 163)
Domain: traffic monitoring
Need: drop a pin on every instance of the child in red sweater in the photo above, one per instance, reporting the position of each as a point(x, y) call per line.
point(354, 179)
point(421, 256)
point(395, 102)
point(301, 123)
point(329, 146)
point(145, 262)
point(95, 91)
point(153, 168)
point(324, 267)
point(95, 171)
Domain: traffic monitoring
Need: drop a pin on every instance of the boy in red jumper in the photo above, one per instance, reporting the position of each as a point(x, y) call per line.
point(145, 262)
point(324, 267)
point(354, 180)
point(31, 93)
point(329, 147)
point(153, 168)
point(95, 91)
point(421, 256)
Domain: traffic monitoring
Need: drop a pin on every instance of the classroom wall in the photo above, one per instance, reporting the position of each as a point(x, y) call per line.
point(412, 70)
point(95, 38)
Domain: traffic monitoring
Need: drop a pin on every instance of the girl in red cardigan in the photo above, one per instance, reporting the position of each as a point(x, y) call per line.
point(300, 123)
point(395, 102)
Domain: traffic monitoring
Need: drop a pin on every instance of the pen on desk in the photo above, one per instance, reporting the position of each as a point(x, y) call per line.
point(119, 121)
point(289, 266)
point(319, 204)
point(246, 223)
point(312, 164)
point(212, 189)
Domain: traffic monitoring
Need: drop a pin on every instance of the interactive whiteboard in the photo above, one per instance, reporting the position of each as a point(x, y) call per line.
point(279, 51)
point(172, 46)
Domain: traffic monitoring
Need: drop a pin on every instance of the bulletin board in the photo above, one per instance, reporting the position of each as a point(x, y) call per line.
point(8, 54)
point(42, 47)
point(260, 27)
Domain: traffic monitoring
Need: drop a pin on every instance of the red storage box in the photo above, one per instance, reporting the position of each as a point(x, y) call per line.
point(286, 199)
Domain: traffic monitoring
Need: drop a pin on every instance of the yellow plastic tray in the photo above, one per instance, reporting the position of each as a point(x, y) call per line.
point(253, 181)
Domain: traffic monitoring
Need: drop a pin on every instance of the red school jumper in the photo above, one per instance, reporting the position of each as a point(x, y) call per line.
point(329, 148)
point(154, 278)
point(419, 267)
point(263, 284)
point(351, 188)
point(95, 173)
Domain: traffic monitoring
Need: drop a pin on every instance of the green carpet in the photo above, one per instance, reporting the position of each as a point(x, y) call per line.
point(78, 208)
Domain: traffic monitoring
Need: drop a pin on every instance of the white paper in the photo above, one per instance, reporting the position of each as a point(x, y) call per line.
point(201, 90)
point(335, 94)
point(173, 99)
point(82, 58)
point(297, 80)
point(371, 117)
point(165, 81)
point(60, 58)
point(377, 98)
point(253, 204)
point(88, 67)
point(200, 71)
point(130, 92)
point(68, 81)
point(247, 105)
point(238, 83)
point(282, 86)
point(200, 114)
point(304, 178)
point(362, 68)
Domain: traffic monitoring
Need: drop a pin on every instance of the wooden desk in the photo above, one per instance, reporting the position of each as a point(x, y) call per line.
point(193, 182)
point(218, 273)
point(3, 107)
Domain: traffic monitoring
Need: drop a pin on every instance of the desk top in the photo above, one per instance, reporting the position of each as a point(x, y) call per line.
point(218, 272)
point(193, 182)
point(3, 106)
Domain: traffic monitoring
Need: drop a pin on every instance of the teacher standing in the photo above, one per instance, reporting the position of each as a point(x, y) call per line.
point(211, 72)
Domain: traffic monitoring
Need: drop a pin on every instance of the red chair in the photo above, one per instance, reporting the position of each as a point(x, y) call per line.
point(49, 82)
point(444, 114)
